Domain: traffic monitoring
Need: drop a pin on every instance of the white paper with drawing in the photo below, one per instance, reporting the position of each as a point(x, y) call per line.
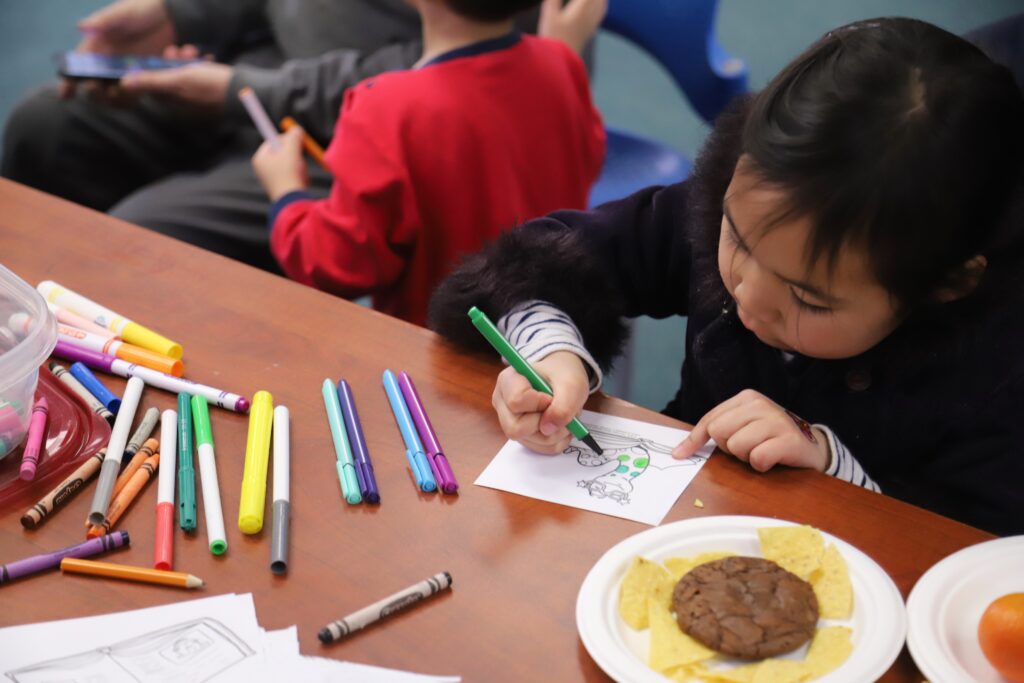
point(636, 477)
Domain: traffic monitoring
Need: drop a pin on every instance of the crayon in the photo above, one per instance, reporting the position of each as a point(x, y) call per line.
point(115, 450)
point(140, 435)
point(364, 468)
point(208, 476)
point(435, 456)
point(64, 491)
point(187, 514)
point(308, 143)
point(129, 573)
point(88, 380)
point(139, 458)
point(396, 602)
point(282, 456)
point(61, 373)
point(125, 328)
point(127, 496)
point(116, 366)
point(34, 440)
point(44, 561)
point(163, 546)
point(257, 460)
point(345, 464)
point(491, 333)
point(120, 349)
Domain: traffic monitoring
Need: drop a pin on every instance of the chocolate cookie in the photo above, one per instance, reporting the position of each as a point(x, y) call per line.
point(745, 607)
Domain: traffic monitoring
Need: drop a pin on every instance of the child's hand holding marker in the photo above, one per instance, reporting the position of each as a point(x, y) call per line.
point(533, 418)
point(279, 165)
point(758, 431)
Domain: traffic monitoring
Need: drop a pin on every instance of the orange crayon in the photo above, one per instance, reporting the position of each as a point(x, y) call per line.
point(308, 143)
point(124, 499)
point(148, 449)
point(130, 573)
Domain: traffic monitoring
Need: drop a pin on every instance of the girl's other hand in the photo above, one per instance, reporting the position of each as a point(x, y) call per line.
point(280, 167)
point(758, 431)
point(533, 418)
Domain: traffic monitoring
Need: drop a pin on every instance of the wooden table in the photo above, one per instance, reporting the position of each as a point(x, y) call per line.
point(517, 563)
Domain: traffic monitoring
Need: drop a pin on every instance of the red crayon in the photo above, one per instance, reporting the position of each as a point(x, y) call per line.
point(34, 440)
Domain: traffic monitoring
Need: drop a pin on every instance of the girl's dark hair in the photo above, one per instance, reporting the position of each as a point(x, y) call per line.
point(490, 10)
point(897, 137)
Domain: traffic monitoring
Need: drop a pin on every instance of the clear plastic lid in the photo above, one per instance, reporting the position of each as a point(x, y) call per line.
point(28, 331)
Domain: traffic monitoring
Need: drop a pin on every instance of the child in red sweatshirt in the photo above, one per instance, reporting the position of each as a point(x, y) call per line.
point(489, 129)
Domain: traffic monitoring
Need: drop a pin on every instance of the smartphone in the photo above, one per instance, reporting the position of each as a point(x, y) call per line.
point(111, 67)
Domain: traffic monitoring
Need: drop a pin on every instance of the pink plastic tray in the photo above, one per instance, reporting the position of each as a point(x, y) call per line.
point(73, 433)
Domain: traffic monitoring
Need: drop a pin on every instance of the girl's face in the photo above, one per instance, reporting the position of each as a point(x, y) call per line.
point(789, 306)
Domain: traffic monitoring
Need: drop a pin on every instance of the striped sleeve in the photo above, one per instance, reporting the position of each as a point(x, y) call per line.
point(843, 465)
point(537, 329)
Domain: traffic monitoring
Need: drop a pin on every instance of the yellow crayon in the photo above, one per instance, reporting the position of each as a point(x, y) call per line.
point(257, 459)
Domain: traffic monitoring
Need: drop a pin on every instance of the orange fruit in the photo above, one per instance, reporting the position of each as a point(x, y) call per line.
point(1001, 636)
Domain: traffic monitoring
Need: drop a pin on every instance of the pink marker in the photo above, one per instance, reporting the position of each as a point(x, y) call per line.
point(34, 441)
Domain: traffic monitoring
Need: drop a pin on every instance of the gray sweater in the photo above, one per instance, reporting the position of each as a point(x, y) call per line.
point(300, 55)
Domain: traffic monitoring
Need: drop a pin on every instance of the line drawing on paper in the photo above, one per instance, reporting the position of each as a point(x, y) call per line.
point(190, 652)
point(630, 456)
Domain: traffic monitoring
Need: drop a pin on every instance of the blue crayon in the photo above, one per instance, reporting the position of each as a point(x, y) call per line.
point(95, 387)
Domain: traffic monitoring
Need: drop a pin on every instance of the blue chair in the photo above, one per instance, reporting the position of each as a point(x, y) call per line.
point(679, 34)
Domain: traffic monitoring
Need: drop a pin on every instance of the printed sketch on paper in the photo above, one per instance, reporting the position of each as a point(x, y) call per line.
point(190, 652)
point(629, 457)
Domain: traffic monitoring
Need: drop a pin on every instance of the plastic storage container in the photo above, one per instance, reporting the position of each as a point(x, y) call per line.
point(28, 333)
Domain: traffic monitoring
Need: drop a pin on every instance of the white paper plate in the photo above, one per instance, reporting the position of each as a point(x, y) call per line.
point(947, 603)
point(879, 620)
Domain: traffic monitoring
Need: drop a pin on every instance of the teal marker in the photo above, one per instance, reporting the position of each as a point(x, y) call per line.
point(186, 472)
point(346, 463)
point(208, 476)
point(509, 353)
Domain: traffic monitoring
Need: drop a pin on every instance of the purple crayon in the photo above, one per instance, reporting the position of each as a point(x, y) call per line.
point(34, 441)
point(51, 560)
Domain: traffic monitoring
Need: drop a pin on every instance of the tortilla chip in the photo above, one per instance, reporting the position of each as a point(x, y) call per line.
point(780, 671)
point(640, 581)
point(829, 648)
point(797, 549)
point(679, 566)
point(832, 587)
point(670, 647)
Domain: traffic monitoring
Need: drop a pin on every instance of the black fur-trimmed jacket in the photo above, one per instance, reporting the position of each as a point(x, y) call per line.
point(934, 413)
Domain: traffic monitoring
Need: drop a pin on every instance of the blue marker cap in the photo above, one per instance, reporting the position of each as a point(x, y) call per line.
point(95, 387)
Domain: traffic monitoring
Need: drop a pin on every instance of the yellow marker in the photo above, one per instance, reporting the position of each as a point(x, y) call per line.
point(257, 459)
point(128, 330)
point(130, 573)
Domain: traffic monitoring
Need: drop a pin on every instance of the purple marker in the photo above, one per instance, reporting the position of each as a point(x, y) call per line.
point(34, 441)
point(38, 563)
point(116, 366)
point(435, 456)
point(364, 468)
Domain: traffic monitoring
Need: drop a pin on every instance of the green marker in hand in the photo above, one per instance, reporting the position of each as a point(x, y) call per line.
point(509, 353)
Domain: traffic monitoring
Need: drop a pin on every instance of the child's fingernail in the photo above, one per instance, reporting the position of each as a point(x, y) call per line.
point(547, 429)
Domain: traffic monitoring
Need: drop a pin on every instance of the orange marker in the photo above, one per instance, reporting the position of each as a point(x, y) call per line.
point(308, 143)
point(122, 500)
point(129, 573)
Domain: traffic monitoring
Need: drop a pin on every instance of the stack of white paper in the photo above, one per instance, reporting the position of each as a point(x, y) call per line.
point(211, 639)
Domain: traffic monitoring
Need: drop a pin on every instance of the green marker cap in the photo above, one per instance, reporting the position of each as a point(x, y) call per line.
point(201, 419)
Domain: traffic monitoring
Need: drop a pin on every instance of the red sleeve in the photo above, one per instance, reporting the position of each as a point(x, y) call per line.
point(357, 239)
